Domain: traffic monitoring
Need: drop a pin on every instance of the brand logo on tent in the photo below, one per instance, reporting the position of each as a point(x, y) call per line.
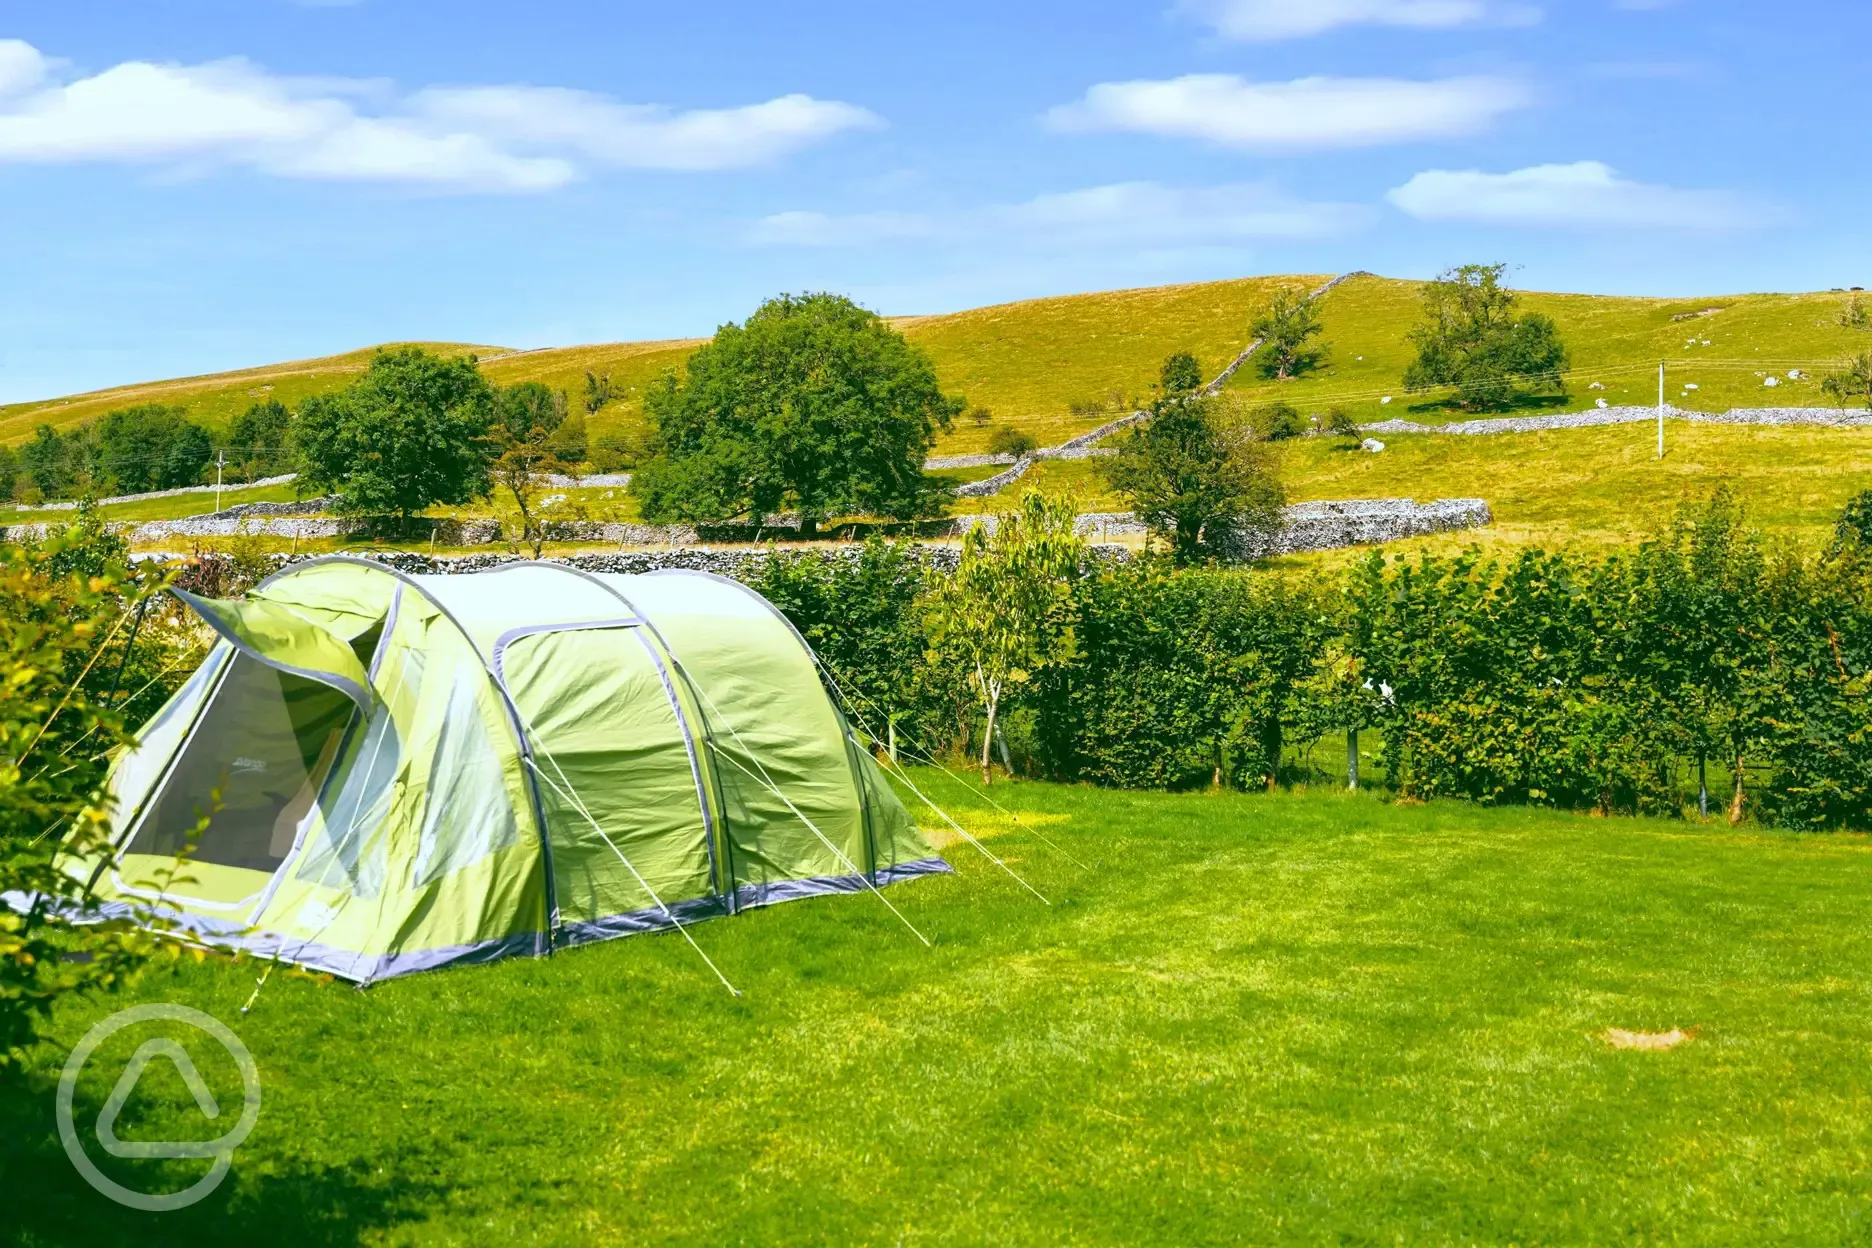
point(220, 1150)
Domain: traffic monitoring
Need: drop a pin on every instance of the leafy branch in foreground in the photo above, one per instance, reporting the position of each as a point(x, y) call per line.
point(62, 626)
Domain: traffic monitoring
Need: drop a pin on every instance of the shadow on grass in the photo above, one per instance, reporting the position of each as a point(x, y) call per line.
point(1520, 405)
point(44, 1202)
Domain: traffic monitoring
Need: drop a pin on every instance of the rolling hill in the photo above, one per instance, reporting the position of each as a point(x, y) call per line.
point(1058, 366)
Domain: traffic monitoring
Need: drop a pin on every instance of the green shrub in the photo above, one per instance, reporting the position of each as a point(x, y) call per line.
point(1005, 441)
point(1277, 422)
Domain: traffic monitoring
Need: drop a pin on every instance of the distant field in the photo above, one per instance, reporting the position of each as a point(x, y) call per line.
point(1595, 486)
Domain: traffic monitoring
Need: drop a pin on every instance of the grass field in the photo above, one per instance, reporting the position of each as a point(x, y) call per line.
point(1297, 1018)
point(1591, 486)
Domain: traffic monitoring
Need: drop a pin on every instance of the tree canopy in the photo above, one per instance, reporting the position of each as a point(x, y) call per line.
point(1286, 327)
point(410, 433)
point(1474, 338)
point(814, 404)
point(1181, 373)
point(1851, 385)
point(1195, 480)
point(259, 440)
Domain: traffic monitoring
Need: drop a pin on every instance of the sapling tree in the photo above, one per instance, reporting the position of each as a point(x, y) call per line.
point(597, 392)
point(527, 421)
point(1287, 327)
point(1007, 613)
point(1851, 386)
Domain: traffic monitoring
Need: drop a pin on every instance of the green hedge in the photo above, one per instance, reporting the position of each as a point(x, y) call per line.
point(1575, 680)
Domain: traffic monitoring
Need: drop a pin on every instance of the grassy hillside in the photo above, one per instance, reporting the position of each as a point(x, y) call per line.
point(1032, 363)
point(1306, 1018)
point(1616, 342)
point(214, 399)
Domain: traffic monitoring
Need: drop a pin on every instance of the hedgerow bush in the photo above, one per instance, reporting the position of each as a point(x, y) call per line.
point(1182, 678)
point(1589, 682)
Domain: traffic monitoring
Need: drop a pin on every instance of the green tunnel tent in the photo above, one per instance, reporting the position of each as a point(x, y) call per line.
point(418, 771)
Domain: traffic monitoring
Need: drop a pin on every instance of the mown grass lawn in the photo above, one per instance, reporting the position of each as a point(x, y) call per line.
point(1295, 1018)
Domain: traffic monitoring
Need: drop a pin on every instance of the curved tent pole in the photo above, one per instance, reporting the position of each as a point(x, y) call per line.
point(714, 821)
point(839, 690)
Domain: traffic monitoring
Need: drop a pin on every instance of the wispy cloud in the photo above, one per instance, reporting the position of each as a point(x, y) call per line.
point(1307, 113)
point(1128, 214)
point(1586, 195)
point(492, 138)
point(1263, 21)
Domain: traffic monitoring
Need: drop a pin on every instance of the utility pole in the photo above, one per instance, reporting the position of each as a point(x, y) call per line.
point(1660, 409)
point(220, 463)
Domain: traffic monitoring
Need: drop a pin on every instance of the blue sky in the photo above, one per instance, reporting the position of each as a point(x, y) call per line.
point(194, 185)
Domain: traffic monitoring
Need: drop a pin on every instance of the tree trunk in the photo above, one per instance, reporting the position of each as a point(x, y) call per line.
point(1702, 786)
point(994, 704)
point(1272, 744)
point(1735, 807)
point(1351, 759)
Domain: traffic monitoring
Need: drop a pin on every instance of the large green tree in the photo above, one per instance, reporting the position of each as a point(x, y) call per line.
point(1199, 482)
point(1475, 338)
point(259, 440)
point(149, 447)
point(813, 404)
point(412, 432)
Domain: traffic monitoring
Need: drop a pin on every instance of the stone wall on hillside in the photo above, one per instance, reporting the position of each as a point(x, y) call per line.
point(1325, 525)
point(1632, 415)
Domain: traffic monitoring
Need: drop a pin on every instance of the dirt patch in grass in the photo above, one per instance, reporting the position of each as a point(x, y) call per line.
point(1648, 1041)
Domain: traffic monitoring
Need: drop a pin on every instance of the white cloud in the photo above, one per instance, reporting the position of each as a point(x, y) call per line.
point(1125, 214)
point(1306, 113)
point(642, 136)
point(855, 229)
point(21, 67)
point(1584, 195)
point(1260, 21)
point(509, 138)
